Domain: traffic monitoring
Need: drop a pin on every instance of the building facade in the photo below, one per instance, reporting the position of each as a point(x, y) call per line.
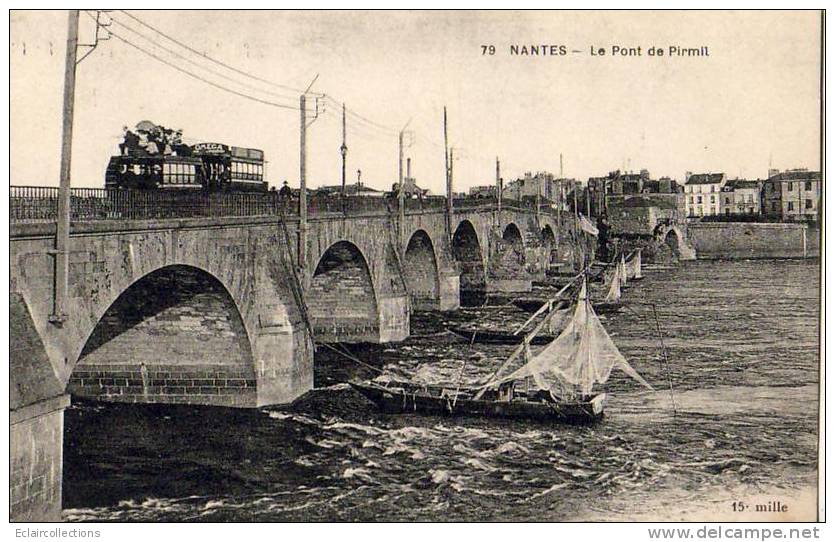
point(741, 197)
point(792, 196)
point(548, 187)
point(702, 192)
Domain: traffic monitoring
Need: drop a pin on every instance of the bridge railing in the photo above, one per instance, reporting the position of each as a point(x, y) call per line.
point(40, 204)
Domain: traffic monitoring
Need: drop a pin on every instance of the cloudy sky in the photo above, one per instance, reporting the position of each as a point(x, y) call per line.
point(753, 101)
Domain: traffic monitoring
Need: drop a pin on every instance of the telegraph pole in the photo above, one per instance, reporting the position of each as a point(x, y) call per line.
point(498, 193)
point(401, 193)
point(448, 169)
point(302, 181)
point(62, 238)
point(343, 150)
point(303, 169)
point(538, 200)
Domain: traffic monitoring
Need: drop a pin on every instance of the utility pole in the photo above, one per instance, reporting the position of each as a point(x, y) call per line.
point(538, 189)
point(343, 150)
point(62, 237)
point(303, 170)
point(451, 170)
point(499, 190)
point(302, 180)
point(401, 193)
point(588, 202)
point(448, 169)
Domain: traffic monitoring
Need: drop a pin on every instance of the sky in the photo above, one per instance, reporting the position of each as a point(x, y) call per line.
point(753, 102)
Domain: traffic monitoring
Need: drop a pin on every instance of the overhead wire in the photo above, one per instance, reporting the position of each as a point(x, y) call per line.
point(196, 76)
point(285, 95)
point(211, 59)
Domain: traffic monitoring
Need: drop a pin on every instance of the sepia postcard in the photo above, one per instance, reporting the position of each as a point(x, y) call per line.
point(416, 266)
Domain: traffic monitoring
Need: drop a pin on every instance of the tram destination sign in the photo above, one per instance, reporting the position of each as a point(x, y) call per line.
point(211, 148)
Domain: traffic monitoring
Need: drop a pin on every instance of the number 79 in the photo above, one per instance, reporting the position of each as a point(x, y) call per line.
point(488, 50)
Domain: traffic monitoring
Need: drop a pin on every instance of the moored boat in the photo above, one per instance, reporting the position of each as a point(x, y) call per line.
point(489, 336)
point(633, 266)
point(533, 304)
point(555, 385)
point(398, 397)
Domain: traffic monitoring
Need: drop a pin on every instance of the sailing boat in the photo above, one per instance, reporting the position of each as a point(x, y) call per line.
point(633, 266)
point(612, 302)
point(622, 269)
point(555, 385)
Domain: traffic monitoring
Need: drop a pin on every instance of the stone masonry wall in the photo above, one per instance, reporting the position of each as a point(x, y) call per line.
point(467, 253)
point(35, 462)
point(421, 272)
point(732, 240)
point(173, 337)
point(341, 300)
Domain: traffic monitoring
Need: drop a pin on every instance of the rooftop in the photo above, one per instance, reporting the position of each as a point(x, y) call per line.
point(797, 175)
point(705, 178)
point(736, 184)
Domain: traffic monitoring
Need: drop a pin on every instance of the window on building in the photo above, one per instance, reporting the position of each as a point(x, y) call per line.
point(750, 210)
point(712, 188)
point(808, 186)
point(698, 199)
point(691, 199)
point(808, 204)
point(727, 201)
point(713, 210)
point(791, 187)
point(712, 199)
point(773, 205)
point(701, 211)
point(750, 198)
point(727, 211)
point(791, 206)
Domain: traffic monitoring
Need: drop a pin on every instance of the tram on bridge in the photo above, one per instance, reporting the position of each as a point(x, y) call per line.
point(155, 158)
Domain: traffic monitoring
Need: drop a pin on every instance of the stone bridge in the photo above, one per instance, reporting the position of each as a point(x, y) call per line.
point(222, 311)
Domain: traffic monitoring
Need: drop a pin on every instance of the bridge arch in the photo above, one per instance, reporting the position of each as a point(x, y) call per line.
point(420, 265)
point(341, 299)
point(510, 253)
point(549, 239)
point(549, 245)
point(174, 335)
point(467, 251)
point(513, 235)
point(672, 237)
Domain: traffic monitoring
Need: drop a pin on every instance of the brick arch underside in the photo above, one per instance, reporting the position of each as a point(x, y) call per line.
point(549, 245)
point(421, 269)
point(467, 251)
point(341, 300)
point(511, 253)
point(672, 238)
point(173, 336)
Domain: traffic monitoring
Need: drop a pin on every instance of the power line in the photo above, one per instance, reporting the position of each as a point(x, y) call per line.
point(199, 78)
point(377, 125)
point(178, 55)
point(207, 57)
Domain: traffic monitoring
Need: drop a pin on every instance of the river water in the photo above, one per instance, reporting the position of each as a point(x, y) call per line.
point(742, 341)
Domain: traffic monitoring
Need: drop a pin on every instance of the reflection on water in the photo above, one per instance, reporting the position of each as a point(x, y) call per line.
point(742, 342)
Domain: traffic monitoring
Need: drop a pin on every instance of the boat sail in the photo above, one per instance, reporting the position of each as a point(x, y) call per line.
point(583, 355)
point(622, 269)
point(633, 269)
point(614, 293)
